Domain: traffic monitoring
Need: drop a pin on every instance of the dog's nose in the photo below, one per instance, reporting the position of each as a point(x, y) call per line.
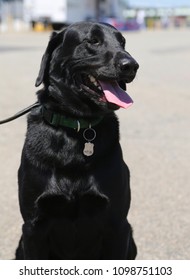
point(129, 65)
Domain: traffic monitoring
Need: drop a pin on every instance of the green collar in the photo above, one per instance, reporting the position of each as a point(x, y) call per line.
point(58, 120)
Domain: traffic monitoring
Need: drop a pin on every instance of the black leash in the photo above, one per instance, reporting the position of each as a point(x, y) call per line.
point(20, 113)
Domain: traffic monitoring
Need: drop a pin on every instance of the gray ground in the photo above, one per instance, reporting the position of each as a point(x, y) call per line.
point(155, 135)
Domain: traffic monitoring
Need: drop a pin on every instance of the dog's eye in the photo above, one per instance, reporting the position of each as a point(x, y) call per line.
point(94, 41)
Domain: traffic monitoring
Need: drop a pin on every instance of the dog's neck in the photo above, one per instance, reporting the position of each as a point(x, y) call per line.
point(60, 120)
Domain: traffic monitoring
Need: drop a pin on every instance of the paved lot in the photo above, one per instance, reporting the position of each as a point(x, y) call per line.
point(155, 135)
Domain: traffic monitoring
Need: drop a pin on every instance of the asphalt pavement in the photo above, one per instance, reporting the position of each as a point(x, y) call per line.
point(155, 136)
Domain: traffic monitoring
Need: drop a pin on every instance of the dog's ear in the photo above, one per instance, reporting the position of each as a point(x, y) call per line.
point(55, 39)
point(122, 84)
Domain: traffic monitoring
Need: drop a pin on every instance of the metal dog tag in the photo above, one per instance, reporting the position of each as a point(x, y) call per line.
point(88, 146)
point(88, 149)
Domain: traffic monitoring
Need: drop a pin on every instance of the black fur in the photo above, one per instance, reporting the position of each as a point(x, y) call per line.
point(74, 206)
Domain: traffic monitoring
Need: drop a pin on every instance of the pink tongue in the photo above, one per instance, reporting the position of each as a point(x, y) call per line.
point(115, 94)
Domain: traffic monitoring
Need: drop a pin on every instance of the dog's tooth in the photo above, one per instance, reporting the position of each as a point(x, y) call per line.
point(92, 79)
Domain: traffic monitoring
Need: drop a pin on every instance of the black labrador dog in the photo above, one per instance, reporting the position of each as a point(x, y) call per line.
point(74, 188)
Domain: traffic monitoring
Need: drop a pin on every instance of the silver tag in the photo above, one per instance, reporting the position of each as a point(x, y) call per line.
point(88, 149)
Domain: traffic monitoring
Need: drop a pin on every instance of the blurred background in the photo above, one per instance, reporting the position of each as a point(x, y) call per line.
point(123, 14)
point(155, 134)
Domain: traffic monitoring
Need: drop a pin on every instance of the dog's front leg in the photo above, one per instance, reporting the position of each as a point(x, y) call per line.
point(119, 244)
point(34, 242)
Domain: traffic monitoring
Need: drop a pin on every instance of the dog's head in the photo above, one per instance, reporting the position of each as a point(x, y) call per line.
point(85, 68)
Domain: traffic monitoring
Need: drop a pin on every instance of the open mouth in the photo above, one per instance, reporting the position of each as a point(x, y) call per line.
point(109, 91)
point(91, 85)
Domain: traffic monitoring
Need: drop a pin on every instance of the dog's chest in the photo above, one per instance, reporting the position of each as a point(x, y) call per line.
point(78, 239)
point(71, 196)
point(76, 219)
